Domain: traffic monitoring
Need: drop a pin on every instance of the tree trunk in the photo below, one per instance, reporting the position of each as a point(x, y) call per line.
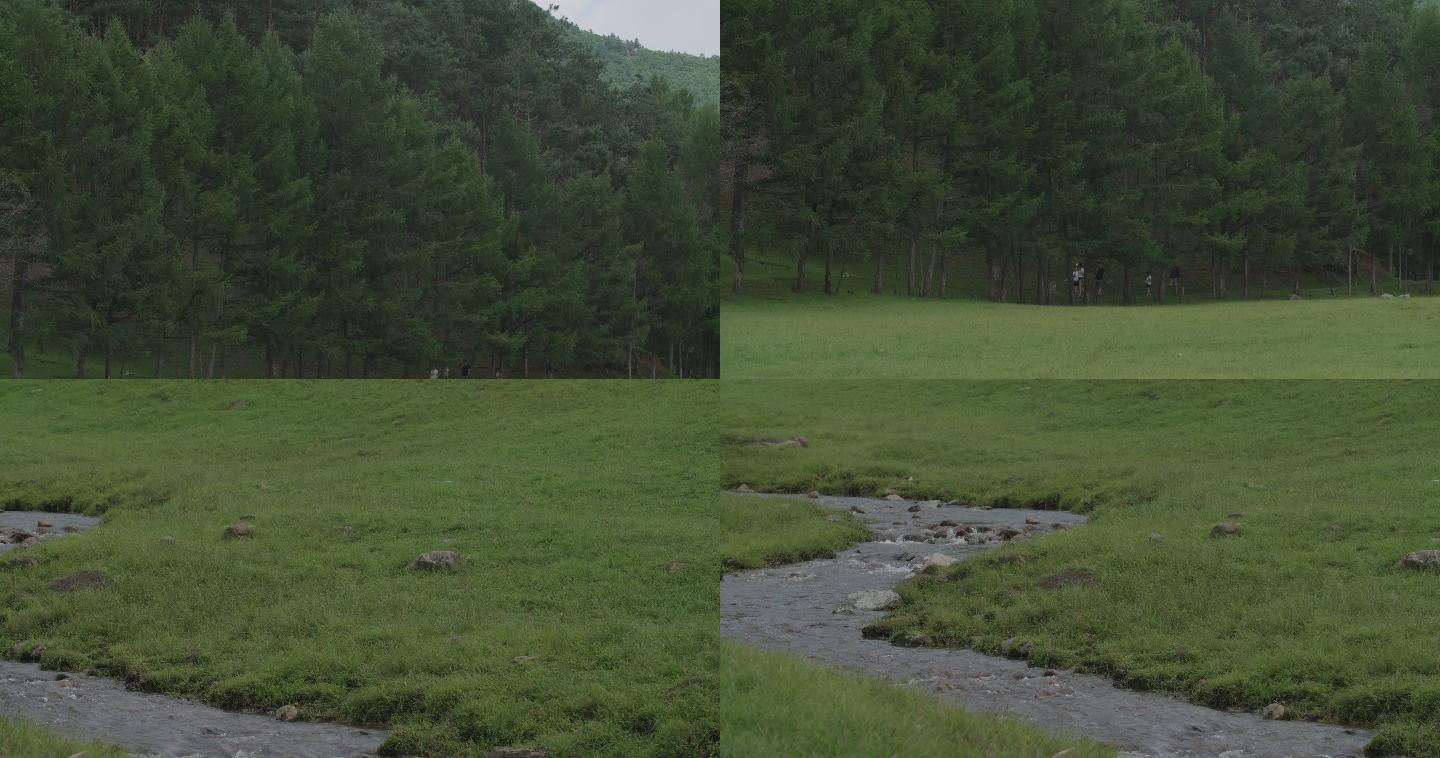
point(1020, 278)
point(160, 359)
point(1040, 298)
point(1125, 276)
point(108, 353)
point(993, 269)
point(17, 315)
point(737, 226)
point(879, 286)
point(944, 274)
point(800, 273)
point(1245, 288)
point(830, 285)
point(910, 266)
point(80, 363)
point(1373, 275)
point(930, 271)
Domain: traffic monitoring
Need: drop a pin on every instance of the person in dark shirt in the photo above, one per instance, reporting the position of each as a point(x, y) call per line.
point(1175, 279)
point(1099, 281)
point(465, 370)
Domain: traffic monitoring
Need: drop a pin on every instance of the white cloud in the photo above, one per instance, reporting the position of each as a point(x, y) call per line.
point(690, 26)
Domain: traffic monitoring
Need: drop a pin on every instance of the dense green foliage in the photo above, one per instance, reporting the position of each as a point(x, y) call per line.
point(348, 188)
point(1220, 136)
point(584, 619)
point(1328, 482)
point(776, 705)
point(628, 64)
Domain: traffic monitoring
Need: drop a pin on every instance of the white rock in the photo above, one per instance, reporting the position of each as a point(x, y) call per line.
point(874, 600)
point(938, 559)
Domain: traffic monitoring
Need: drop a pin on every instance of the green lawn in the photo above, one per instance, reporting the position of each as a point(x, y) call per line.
point(861, 336)
point(777, 705)
point(771, 531)
point(20, 739)
point(1330, 484)
point(584, 619)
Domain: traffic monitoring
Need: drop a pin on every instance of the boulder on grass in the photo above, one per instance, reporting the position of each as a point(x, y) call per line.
point(239, 532)
point(1421, 560)
point(436, 560)
point(1225, 530)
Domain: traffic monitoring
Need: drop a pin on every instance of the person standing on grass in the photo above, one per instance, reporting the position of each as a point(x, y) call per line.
point(465, 370)
point(1074, 282)
point(1080, 278)
point(1149, 282)
point(1175, 279)
point(1099, 281)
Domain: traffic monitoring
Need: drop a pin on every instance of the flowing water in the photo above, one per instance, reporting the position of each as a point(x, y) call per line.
point(148, 724)
point(791, 609)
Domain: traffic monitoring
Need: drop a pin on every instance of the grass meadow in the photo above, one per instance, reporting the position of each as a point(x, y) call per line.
point(897, 338)
point(763, 532)
point(1329, 483)
point(21, 739)
point(583, 621)
point(774, 704)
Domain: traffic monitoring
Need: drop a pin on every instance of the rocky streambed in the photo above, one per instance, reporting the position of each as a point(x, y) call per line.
point(817, 609)
point(147, 724)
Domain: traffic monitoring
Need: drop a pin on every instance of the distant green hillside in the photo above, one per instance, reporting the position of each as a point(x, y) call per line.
point(628, 63)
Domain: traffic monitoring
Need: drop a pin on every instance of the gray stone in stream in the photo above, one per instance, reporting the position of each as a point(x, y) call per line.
point(874, 600)
point(892, 497)
point(1421, 559)
point(813, 494)
point(938, 560)
point(1274, 712)
point(436, 560)
point(1225, 530)
point(45, 524)
point(288, 713)
point(518, 752)
point(743, 488)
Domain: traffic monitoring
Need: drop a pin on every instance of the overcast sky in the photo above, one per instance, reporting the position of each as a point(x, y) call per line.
point(689, 26)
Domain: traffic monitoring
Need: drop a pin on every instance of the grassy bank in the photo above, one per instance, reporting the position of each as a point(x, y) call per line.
point(778, 705)
point(771, 531)
point(20, 739)
point(1330, 484)
point(583, 619)
point(882, 337)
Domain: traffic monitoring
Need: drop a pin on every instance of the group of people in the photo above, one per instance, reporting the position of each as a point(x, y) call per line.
point(1078, 281)
point(444, 373)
